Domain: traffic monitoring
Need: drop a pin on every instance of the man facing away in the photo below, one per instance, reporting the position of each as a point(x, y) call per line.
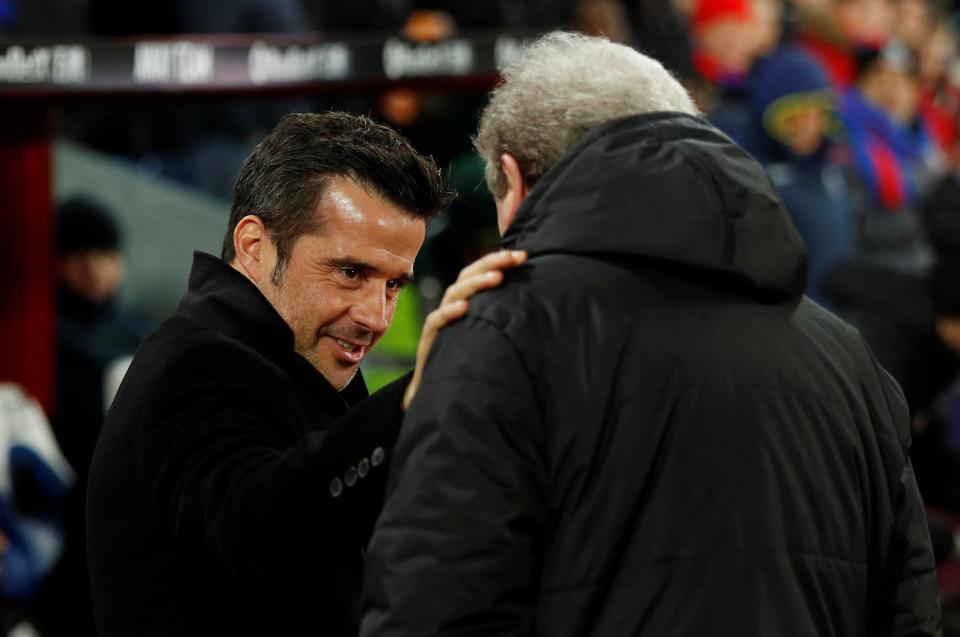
point(242, 464)
point(656, 434)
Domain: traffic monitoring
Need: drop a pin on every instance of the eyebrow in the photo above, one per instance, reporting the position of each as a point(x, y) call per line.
point(406, 277)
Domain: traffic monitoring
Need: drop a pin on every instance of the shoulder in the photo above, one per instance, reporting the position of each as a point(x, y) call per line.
point(547, 285)
point(183, 354)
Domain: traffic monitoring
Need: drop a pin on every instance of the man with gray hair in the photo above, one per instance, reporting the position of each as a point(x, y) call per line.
point(647, 429)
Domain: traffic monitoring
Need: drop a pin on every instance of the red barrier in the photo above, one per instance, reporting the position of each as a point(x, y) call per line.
point(27, 332)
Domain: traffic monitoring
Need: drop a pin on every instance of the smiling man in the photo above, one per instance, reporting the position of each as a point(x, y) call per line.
point(339, 288)
point(242, 464)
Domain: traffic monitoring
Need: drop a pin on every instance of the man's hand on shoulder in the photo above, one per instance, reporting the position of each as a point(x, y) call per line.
point(486, 272)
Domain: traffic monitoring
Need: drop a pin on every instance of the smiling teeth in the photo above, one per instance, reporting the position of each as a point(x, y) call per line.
point(347, 346)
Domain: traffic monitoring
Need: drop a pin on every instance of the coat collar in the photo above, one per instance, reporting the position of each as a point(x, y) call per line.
point(668, 187)
point(222, 299)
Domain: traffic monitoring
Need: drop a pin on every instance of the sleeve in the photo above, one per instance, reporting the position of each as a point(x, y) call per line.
point(214, 457)
point(457, 547)
point(907, 595)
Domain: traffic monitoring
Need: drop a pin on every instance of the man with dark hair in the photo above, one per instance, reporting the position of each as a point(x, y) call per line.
point(657, 433)
point(242, 464)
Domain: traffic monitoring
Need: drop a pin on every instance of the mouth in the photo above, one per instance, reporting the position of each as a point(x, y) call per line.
point(350, 347)
point(348, 352)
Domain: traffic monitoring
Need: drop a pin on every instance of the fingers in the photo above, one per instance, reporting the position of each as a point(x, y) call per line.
point(453, 311)
point(494, 261)
point(485, 272)
point(435, 321)
point(463, 289)
point(444, 314)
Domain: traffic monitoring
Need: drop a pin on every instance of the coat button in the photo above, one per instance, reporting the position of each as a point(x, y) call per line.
point(350, 477)
point(363, 467)
point(377, 456)
point(336, 487)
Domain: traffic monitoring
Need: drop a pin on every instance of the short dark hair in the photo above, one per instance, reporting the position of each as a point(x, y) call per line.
point(288, 173)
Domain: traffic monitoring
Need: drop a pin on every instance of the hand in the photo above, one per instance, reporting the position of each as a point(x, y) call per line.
point(485, 272)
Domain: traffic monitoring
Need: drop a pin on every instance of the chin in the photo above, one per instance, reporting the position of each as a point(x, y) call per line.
point(337, 375)
point(341, 384)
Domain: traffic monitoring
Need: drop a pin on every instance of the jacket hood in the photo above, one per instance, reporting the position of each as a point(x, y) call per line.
point(779, 84)
point(670, 187)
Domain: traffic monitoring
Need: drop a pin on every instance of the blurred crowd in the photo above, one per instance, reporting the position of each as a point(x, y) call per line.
point(851, 106)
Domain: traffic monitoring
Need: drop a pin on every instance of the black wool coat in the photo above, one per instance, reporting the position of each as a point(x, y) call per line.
point(647, 430)
point(233, 489)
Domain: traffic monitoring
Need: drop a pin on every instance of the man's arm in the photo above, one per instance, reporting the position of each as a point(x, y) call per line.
point(907, 596)
point(457, 547)
point(908, 600)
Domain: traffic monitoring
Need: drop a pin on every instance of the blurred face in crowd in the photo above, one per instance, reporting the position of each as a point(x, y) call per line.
point(340, 286)
point(92, 274)
point(936, 52)
point(911, 23)
point(893, 90)
point(730, 41)
point(805, 130)
point(602, 17)
point(800, 121)
point(864, 22)
point(767, 27)
point(682, 8)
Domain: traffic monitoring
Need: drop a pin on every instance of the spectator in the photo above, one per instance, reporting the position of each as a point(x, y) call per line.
point(34, 479)
point(938, 101)
point(723, 48)
point(96, 335)
point(727, 36)
point(894, 161)
point(607, 18)
point(785, 124)
point(834, 31)
point(95, 329)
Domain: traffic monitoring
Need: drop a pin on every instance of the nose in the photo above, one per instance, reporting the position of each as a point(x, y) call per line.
point(371, 309)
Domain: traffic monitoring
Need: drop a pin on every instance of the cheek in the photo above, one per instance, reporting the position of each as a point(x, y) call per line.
point(321, 305)
point(294, 306)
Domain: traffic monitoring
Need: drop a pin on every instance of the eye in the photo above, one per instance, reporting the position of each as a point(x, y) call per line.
point(351, 274)
point(396, 284)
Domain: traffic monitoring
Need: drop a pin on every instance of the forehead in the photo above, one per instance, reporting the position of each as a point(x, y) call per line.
point(359, 223)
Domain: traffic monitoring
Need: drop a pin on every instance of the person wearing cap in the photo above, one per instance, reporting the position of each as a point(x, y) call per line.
point(94, 328)
point(723, 46)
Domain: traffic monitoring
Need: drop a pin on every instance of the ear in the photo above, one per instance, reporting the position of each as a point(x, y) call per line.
point(508, 205)
point(255, 253)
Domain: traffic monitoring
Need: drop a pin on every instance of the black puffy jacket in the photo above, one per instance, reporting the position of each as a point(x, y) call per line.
point(648, 430)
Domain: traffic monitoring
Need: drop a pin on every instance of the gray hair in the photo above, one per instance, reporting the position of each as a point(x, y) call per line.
point(562, 85)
